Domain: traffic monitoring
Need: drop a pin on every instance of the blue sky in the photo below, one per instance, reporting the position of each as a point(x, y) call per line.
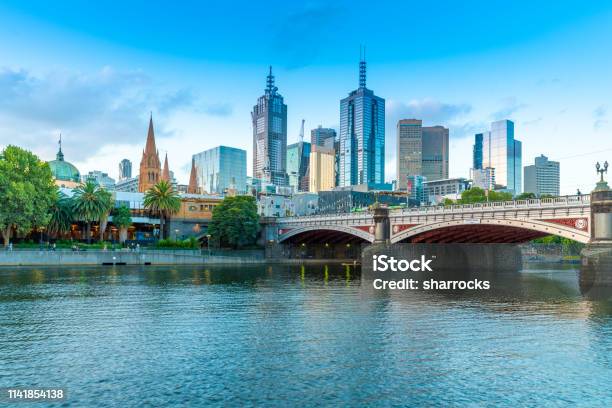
point(94, 71)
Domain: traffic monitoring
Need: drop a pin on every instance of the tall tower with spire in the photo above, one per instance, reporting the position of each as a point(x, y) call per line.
point(166, 170)
point(192, 188)
point(150, 166)
point(361, 155)
point(269, 118)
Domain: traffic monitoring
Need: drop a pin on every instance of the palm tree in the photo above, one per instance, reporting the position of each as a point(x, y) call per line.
point(108, 203)
point(163, 200)
point(122, 219)
point(89, 204)
point(61, 215)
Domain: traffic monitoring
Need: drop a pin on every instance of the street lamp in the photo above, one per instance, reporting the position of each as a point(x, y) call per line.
point(208, 243)
point(40, 242)
point(176, 231)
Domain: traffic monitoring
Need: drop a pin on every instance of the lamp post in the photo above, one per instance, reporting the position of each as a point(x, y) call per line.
point(208, 243)
point(176, 231)
point(601, 185)
point(40, 242)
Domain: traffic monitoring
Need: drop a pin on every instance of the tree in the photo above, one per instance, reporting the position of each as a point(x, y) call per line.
point(235, 222)
point(89, 204)
point(526, 196)
point(164, 201)
point(27, 192)
point(122, 218)
point(107, 202)
point(478, 195)
point(61, 213)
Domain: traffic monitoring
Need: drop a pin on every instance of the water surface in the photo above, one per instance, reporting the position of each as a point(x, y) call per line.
point(235, 336)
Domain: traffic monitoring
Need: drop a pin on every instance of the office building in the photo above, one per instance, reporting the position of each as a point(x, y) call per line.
point(323, 137)
point(416, 188)
point(477, 151)
point(99, 178)
point(129, 185)
point(435, 191)
point(543, 177)
point(219, 169)
point(434, 163)
point(362, 136)
point(503, 153)
point(269, 118)
point(409, 151)
point(483, 178)
point(298, 161)
point(125, 169)
point(322, 169)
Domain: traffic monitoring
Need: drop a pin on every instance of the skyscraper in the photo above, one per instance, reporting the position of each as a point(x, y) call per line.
point(298, 162)
point(409, 151)
point(125, 169)
point(362, 136)
point(435, 153)
point(477, 152)
point(150, 166)
point(542, 177)
point(323, 137)
point(503, 153)
point(322, 169)
point(269, 118)
point(221, 168)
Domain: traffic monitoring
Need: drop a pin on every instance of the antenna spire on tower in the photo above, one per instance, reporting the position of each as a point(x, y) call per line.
point(362, 67)
point(270, 88)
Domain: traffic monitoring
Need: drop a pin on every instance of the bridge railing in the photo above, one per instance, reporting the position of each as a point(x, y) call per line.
point(565, 201)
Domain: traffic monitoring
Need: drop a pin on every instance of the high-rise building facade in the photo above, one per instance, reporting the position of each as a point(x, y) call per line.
point(323, 137)
point(362, 136)
point(477, 152)
point(125, 169)
point(269, 118)
point(409, 156)
point(298, 161)
point(435, 153)
point(221, 168)
point(100, 178)
point(322, 169)
point(503, 153)
point(543, 177)
point(150, 166)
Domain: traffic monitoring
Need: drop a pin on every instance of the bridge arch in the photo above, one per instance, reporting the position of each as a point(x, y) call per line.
point(487, 231)
point(332, 232)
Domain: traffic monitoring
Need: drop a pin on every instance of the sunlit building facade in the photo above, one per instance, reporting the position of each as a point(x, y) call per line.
point(503, 153)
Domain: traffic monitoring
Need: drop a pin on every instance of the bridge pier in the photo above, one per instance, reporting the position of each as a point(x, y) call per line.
point(597, 256)
point(382, 225)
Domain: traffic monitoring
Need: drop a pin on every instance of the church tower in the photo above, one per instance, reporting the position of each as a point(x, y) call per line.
point(150, 166)
point(166, 170)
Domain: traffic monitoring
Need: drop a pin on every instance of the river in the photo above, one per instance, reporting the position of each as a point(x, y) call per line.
point(316, 335)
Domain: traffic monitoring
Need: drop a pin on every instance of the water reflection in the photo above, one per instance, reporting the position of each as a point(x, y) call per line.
point(317, 334)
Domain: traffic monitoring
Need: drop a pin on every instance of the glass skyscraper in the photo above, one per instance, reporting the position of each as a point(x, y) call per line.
point(270, 136)
point(220, 168)
point(435, 153)
point(477, 153)
point(361, 152)
point(298, 159)
point(503, 153)
point(324, 137)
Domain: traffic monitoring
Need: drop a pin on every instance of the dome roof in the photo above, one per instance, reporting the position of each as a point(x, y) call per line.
point(63, 170)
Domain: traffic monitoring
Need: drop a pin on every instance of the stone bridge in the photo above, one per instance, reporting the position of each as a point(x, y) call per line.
point(518, 221)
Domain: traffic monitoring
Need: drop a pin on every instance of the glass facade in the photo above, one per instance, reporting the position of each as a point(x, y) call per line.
point(298, 161)
point(501, 152)
point(324, 137)
point(269, 118)
point(221, 168)
point(361, 154)
point(435, 153)
point(409, 151)
point(477, 154)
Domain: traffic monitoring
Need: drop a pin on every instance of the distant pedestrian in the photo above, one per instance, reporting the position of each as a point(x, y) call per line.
point(10, 246)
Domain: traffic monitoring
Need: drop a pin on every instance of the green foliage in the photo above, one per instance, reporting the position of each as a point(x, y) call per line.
point(27, 192)
point(91, 203)
point(569, 246)
point(235, 222)
point(447, 201)
point(163, 200)
point(526, 196)
point(190, 243)
point(122, 217)
point(478, 195)
point(61, 214)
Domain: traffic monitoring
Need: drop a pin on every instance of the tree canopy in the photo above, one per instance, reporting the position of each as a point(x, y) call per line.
point(163, 200)
point(235, 222)
point(90, 203)
point(27, 192)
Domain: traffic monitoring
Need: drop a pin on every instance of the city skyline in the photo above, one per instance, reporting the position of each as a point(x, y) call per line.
point(98, 86)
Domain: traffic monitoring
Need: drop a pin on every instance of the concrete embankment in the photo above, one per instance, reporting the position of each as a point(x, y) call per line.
point(144, 257)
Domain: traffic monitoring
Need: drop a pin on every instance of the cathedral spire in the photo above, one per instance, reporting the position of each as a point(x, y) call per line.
point(150, 146)
point(166, 170)
point(150, 166)
point(193, 179)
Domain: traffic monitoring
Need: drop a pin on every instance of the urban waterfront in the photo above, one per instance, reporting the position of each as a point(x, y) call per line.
point(176, 336)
